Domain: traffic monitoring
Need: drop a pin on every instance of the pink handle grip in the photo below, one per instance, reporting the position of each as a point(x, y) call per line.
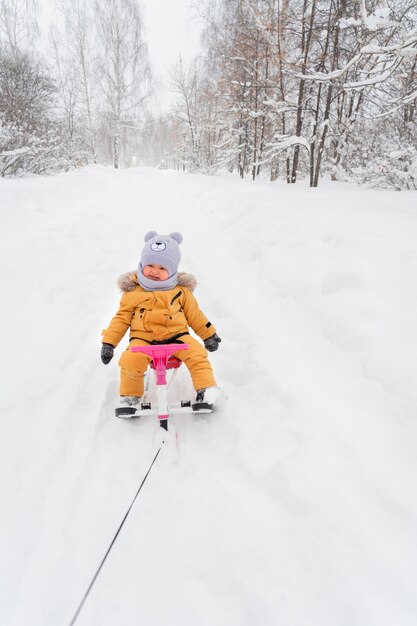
point(160, 350)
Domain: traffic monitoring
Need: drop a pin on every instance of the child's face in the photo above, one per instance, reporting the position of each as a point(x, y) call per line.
point(155, 272)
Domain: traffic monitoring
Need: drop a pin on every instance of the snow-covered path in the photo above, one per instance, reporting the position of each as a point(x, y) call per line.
point(295, 503)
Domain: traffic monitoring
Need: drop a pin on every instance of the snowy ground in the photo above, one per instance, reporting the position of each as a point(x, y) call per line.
point(295, 504)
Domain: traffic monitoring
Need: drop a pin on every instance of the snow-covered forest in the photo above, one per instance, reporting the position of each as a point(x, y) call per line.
point(289, 89)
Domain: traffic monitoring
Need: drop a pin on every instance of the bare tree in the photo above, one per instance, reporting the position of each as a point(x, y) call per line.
point(78, 20)
point(124, 71)
point(73, 50)
point(185, 83)
point(18, 23)
point(195, 111)
point(29, 139)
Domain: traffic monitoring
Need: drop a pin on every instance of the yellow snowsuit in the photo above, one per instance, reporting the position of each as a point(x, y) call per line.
point(154, 316)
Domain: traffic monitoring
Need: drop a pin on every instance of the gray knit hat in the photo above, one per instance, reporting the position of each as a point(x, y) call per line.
point(161, 250)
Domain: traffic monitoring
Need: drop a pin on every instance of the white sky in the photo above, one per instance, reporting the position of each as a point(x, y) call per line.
point(172, 28)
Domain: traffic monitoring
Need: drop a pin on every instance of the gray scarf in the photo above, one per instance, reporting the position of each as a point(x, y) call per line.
point(157, 285)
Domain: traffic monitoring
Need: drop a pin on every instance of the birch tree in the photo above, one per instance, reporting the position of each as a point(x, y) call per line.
point(123, 67)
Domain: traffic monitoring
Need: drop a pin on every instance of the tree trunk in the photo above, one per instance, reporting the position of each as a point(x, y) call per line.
point(305, 47)
point(116, 150)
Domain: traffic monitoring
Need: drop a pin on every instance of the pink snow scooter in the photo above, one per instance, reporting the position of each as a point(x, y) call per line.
point(163, 360)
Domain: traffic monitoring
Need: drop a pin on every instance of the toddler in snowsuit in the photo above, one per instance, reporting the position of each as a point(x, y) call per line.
point(159, 307)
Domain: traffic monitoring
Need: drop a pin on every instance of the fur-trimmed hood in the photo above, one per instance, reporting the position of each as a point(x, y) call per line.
point(129, 281)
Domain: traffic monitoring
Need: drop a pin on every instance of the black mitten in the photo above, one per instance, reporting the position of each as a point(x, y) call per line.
point(212, 343)
point(107, 351)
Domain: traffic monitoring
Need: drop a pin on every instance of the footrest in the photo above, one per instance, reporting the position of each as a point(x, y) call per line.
point(202, 407)
point(125, 412)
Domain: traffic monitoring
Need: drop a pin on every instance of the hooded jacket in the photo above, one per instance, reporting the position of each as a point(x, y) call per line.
point(157, 315)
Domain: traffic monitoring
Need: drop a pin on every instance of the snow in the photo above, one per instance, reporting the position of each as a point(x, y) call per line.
point(17, 151)
point(371, 48)
point(379, 78)
point(347, 22)
point(295, 503)
point(378, 20)
point(407, 53)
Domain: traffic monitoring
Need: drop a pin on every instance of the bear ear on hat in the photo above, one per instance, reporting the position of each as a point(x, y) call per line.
point(150, 234)
point(176, 236)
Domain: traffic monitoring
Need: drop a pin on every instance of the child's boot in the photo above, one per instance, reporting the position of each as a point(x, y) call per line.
point(127, 406)
point(205, 400)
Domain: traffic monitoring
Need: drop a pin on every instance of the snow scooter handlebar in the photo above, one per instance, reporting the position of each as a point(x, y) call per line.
point(160, 354)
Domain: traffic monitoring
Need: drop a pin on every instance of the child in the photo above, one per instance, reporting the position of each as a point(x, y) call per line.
point(158, 306)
